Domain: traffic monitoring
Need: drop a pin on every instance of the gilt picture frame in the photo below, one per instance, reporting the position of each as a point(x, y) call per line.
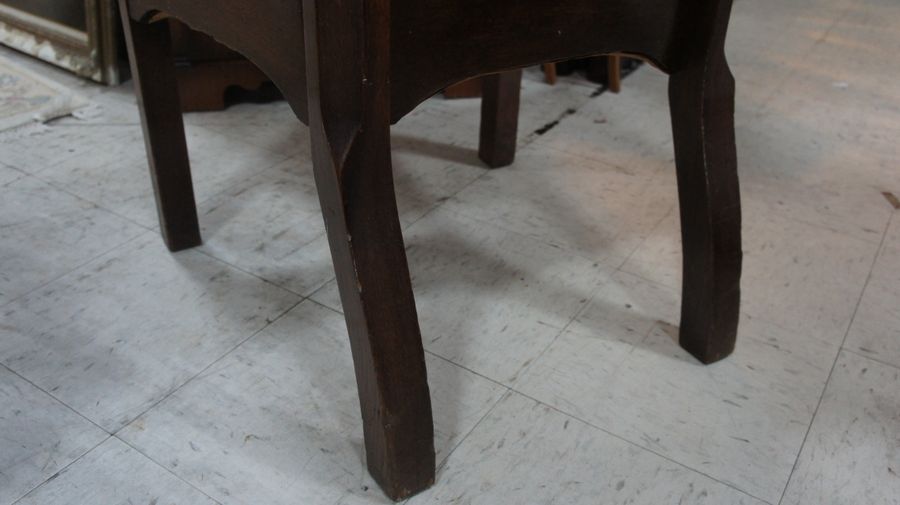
point(54, 32)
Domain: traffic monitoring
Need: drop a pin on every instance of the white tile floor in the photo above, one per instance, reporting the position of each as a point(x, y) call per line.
point(548, 295)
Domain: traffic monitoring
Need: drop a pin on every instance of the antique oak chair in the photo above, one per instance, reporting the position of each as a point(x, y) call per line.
point(350, 68)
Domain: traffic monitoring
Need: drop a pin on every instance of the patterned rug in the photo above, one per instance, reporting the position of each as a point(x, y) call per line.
point(26, 97)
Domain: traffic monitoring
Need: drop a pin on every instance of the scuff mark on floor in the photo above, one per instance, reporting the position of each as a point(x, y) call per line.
point(892, 199)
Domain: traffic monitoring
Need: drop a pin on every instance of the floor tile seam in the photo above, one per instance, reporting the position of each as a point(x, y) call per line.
point(636, 444)
point(463, 366)
point(504, 387)
point(52, 396)
point(241, 180)
point(97, 205)
point(446, 459)
point(59, 472)
point(165, 468)
point(870, 358)
point(256, 276)
point(836, 359)
point(15, 169)
point(581, 310)
point(143, 233)
point(206, 368)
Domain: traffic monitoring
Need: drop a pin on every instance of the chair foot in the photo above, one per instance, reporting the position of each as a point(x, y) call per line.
point(500, 118)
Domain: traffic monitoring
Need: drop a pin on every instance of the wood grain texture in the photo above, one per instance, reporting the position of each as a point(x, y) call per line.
point(349, 76)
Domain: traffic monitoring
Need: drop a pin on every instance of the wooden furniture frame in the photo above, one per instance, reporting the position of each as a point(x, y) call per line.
point(349, 68)
point(206, 70)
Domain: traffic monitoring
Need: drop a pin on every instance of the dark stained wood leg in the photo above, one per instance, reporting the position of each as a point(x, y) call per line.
point(702, 103)
point(500, 118)
point(153, 71)
point(349, 115)
point(360, 209)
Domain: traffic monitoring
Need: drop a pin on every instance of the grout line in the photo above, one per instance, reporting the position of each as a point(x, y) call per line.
point(575, 316)
point(639, 446)
point(243, 180)
point(14, 169)
point(485, 377)
point(76, 267)
point(263, 279)
point(107, 438)
point(282, 158)
point(870, 358)
point(651, 281)
point(206, 368)
point(836, 358)
point(115, 433)
point(440, 466)
point(479, 374)
point(61, 470)
point(465, 436)
point(320, 304)
point(65, 190)
point(39, 388)
point(169, 471)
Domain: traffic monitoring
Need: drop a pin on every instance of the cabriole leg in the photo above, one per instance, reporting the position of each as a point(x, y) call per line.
point(702, 103)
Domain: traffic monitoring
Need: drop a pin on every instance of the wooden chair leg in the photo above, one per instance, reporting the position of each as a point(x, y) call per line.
point(156, 86)
point(614, 72)
point(500, 118)
point(550, 73)
point(702, 102)
point(349, 117)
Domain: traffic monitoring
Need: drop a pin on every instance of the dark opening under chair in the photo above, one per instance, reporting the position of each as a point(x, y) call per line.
point(350, 68)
